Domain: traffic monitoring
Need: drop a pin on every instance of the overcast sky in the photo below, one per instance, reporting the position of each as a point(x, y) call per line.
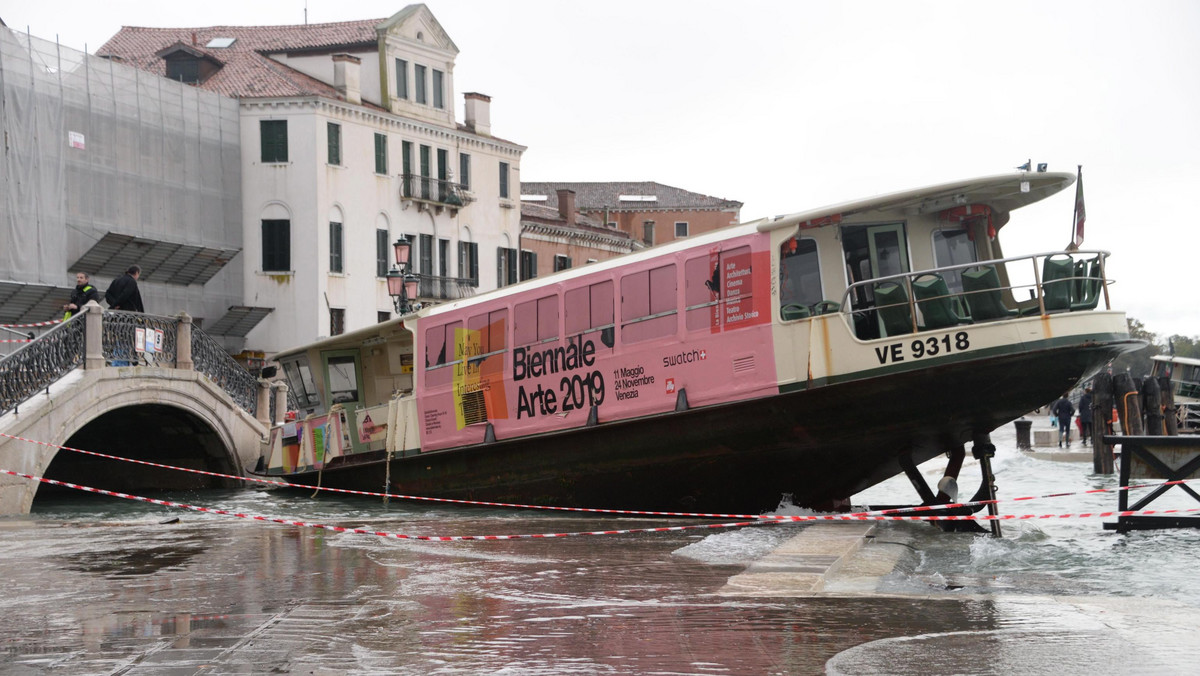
point(789, 105)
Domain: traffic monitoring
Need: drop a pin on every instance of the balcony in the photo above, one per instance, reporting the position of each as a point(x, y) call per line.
point(432, 288)
point(433, 193)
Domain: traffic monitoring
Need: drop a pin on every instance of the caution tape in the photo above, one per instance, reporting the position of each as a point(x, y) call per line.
point(363, 531)
point(15, 340)
point(661, 529)
point(52, 322)
point(592, 510)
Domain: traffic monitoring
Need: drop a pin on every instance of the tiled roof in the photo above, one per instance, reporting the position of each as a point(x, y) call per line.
point(246, 71)
point(541, 212)
point(593, 196)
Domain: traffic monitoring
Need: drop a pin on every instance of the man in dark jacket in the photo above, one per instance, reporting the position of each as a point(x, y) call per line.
point(1063, 409)
point(123, 294)
point(83, 293)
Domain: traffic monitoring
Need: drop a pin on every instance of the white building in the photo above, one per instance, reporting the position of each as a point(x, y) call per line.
point(349, 140)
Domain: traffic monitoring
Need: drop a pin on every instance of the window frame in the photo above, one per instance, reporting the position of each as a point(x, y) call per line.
point(420, 95)
point(464, 170)
point(381, 158)
point(402, 79)
point(437, 81)
point(333, 144)
point(504, 180)
point(337, 250)
point(686, 229)
point(382, 246)
point(273, 141)
point(276, 245)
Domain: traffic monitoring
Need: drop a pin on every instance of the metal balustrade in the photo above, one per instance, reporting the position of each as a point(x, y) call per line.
point(214, 362)
point(35, 366)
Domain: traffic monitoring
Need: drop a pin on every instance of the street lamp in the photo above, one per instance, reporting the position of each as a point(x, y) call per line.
point(402, 285)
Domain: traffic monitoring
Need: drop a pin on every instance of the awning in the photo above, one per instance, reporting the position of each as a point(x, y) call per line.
point(22, 303)
point(238, 321)
point(161, 261)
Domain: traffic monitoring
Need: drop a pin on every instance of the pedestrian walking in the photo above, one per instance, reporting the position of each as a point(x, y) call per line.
point(83, 293)
point(124, 294)
point(1063, 410)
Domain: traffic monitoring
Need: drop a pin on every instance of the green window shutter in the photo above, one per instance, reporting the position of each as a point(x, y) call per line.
point(274, 140)
point(381, 154)
point(334, 133)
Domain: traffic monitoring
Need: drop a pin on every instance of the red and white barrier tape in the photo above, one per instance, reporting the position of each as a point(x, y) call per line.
point(15, 340)
point(663, 529)
point(52, 322)
point(590, 510)
point(362, 531)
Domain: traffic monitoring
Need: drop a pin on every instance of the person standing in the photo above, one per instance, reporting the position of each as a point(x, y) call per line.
point(123, 294)
point(1063, 410)
point(1085, 417)
point(84, 292)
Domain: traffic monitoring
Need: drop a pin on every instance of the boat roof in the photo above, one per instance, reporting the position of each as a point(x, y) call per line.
point(1176, 360)
point(1002, 192)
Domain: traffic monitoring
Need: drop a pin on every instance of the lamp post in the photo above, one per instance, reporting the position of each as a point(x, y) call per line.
point(402, 285)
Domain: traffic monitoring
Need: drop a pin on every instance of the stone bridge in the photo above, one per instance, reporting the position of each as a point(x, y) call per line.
point(97, 383)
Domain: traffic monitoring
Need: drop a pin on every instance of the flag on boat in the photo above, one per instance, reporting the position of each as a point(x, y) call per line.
point(1080, 214)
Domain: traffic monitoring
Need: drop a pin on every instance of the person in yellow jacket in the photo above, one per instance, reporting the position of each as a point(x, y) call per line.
point(84, 292)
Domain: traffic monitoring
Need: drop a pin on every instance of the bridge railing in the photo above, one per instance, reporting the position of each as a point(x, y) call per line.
point(96, 338)
point(120, 337)
point(209, 358)
point(36, 365)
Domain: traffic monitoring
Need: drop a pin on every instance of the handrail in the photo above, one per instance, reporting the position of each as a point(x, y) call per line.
point(214, 362)
point(38, 364)
point(1037, 289)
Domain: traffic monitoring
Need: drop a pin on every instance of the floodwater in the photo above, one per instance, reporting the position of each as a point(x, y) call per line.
point(96, 585)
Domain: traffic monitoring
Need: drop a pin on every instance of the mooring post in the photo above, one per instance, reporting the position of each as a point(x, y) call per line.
point(1125, 396)
point(1170, 422)
point(1102, 412)
point(1023, 425)
point(93, 336)
point(1152, 405)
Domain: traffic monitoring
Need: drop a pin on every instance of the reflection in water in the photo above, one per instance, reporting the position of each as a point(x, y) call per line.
point(94, 586)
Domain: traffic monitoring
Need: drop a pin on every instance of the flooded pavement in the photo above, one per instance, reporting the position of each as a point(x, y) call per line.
point(101, 586)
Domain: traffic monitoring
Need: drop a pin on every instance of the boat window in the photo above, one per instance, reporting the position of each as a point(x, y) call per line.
point(648, 304)
point(953, 246)
point(799, 273)
point(440, 353)
point(343, 380)
point(588, 314)
point(536, 321)
point(702, 283)
point(300, 383)
point(487, 332)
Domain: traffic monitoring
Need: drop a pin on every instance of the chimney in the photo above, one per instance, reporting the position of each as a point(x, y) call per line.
point(345, 76)
point(194, 41)
point(566, 205)
point(478, 113)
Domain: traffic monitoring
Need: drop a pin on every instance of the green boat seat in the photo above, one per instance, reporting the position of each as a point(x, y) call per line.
point(936, 303)
point(826, 307)
point(1057, 271)
point(891, 302)
point(984, 301)
point(794, 311)
point(1088, 284)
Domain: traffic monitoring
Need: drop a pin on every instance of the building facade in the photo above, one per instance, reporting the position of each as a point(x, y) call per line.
point(560, 238)
point(349, 140)
point(649, 212)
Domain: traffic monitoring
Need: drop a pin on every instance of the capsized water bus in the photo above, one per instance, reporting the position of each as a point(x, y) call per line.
point(810, 355)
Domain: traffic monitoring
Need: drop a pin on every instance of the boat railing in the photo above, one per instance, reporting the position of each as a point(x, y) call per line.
point(972, 293)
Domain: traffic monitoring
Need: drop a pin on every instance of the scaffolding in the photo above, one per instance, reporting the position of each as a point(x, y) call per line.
point(95, 151)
